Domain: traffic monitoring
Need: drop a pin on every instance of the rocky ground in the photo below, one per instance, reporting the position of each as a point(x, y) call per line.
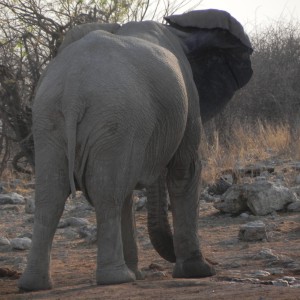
point(264, 266)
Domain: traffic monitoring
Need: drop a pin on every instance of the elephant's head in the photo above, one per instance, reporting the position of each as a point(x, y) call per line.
point(219, 53)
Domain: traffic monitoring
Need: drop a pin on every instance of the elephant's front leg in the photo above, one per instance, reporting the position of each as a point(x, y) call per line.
point(183, 185)
point(52, 189)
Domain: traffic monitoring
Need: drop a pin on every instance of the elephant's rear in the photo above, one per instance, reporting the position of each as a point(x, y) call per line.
point(136, 114)
point(114, 101)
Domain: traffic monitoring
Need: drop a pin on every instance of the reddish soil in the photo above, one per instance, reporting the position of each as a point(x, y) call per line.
point(73, 263)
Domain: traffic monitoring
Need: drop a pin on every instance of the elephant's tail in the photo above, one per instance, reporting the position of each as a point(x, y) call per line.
point(71, 130)
point(71, 140)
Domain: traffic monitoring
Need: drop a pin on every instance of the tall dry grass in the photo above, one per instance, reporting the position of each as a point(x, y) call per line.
point(247, 144)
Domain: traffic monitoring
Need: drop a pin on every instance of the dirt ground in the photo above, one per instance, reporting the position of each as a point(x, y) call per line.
point(74, 262)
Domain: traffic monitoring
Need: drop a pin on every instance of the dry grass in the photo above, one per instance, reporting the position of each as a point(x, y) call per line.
point(16, 182)
point(245, 146)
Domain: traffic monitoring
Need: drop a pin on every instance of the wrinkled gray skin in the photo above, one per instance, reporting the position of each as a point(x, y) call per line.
point(118, 108)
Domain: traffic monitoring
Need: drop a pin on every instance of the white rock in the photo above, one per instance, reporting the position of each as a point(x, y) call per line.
point(261, 273)
point(280, 282)
point(265, 197)
point(21, 243)
point(11, 198)
point(275, 271)
point(244, 215)
point(289, 279)
point(261, 197)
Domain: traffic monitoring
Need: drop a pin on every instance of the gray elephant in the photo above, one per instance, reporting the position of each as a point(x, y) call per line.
point(119, 108)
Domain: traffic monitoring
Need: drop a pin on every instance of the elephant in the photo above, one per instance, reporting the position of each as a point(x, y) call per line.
point(122, 107)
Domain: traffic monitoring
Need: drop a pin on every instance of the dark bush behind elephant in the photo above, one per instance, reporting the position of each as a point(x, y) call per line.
point(119, 107)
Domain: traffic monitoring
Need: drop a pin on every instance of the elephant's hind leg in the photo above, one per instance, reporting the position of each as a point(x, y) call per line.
point(183, 185)
point(52, 189)
point(108, 197)
point(130, 248)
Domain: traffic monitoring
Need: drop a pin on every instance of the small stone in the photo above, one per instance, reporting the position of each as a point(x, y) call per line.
point(4, 241)
point(253, 231)
point(252, 280)
point(245, 215)
point(275, 271)
point(261, 273)
point(280, 282)
point(11, 198)
point(29, 205)
point(267, 254)
point(21, 243)
point(289, 279)
point(294, 207)
point(140, 203)
point(154, 266)
point(154, 274)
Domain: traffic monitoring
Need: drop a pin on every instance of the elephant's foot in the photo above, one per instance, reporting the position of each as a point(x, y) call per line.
point(138, 274)
point(115, 275)
point(34, 282)
point(193, 268)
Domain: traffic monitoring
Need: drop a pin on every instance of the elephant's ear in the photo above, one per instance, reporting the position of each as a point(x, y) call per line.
point(219, 53)
point(80, 31)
